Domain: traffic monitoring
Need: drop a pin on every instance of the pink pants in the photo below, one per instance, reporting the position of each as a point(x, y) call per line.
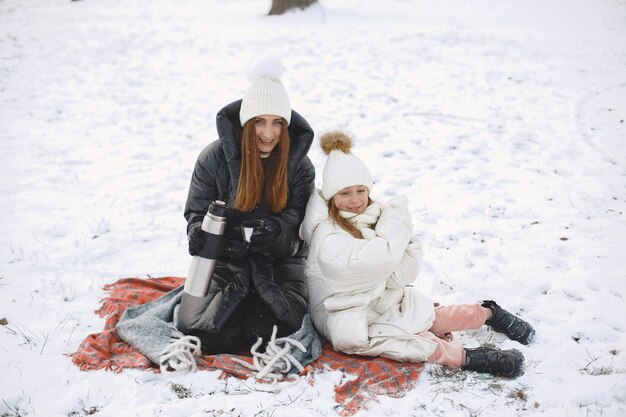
point(449, 319)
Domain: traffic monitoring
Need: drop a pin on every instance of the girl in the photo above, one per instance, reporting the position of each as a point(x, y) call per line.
point(259, 167)
point(361, 263)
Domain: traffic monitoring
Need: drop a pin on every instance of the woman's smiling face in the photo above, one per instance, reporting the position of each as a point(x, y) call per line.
point(267, 128)
point(353, 199)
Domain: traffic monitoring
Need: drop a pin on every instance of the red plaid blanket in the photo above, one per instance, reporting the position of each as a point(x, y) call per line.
point(105, 350)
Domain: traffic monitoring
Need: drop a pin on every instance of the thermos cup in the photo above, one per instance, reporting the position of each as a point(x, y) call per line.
point(247, 228)
point(203, 263)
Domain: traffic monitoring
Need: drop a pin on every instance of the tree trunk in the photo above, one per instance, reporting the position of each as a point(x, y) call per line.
point(281, 6)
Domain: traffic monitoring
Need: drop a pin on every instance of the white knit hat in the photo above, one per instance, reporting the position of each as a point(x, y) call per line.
point(343, 168)
point(267, 94)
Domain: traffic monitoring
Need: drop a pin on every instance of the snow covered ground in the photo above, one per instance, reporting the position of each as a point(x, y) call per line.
point(502, 120)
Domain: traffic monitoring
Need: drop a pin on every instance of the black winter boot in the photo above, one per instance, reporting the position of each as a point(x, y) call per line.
point(504, 363)
point(504, 322)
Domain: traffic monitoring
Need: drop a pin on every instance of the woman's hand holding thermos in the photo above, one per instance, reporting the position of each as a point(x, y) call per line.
point(196, 238)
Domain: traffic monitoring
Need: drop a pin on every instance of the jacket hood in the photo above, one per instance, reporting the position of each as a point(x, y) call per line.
point(316, 213)
point(229, 126)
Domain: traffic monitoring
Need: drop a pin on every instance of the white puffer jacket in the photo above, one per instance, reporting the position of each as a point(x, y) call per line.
point(359, 296)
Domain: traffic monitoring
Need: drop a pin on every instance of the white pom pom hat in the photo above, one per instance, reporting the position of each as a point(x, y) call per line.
point(343, 168)
point(267, 94)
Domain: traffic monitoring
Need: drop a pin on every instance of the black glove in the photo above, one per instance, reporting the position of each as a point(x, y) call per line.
point(266, 233)
point(196, 238)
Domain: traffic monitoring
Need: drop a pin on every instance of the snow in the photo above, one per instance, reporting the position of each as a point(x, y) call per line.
point(503, 121)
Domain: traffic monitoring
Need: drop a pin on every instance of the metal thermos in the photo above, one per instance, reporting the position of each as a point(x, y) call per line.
point(203, 263)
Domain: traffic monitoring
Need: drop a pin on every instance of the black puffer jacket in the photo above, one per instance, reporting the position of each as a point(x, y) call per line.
point(276, 275)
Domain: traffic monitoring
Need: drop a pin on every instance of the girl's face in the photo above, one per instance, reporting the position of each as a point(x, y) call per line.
point(267, 128)
point(352, 199)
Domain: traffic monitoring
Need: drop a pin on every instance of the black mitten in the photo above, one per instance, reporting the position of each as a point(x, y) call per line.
point(267, 233)
point(196, 238)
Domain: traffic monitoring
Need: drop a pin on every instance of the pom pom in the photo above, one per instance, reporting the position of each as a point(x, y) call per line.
point(336, 140)
point(270, 67)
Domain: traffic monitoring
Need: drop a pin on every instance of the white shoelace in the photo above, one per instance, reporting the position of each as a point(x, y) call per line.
point(179, 356)
point(276, 361)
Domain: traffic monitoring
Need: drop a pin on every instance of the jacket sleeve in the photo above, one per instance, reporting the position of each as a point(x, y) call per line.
point(301, 186)
point(407, 271)
point(407, 268)
point(203, 187)
point(395, 225)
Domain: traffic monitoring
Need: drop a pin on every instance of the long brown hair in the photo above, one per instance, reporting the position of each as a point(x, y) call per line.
point(254, 178)
point(342, 222)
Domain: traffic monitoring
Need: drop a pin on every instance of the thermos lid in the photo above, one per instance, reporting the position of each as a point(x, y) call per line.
point(218, 208)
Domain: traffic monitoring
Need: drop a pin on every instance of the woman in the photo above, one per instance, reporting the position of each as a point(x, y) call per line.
point(259, 167)
point(362, 260)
